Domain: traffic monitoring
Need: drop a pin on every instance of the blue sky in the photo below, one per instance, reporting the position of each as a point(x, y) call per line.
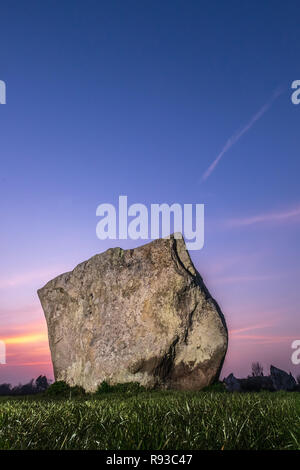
point(139, 97)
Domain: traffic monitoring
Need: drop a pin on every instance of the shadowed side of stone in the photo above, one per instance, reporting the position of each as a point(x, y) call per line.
point(141, 315)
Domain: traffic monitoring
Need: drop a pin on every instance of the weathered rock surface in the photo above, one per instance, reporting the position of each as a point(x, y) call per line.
point(282, 380)
point(141, 315)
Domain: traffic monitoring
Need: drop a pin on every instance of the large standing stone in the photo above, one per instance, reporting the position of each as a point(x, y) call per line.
point(141, 315)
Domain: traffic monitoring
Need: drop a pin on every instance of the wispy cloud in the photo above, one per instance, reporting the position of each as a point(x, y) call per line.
point(236, 137)
point(30, 277)
point(31, 338)
point(30, 364)
point(237, 279)
point(246, 335)
point(251, 328)
point(270, 335)
point(267, 217)
point(264, 339)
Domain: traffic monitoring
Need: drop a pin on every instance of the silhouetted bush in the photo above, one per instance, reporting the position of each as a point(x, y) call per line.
point(256, 384)
point(216, 387)
point(257, 369)
point(77, 391)
point(129, 387)
point(34, 386)
point(62, 389)
point(41, 384)
point(5, 389)
point(59, 388)
point(26, 389)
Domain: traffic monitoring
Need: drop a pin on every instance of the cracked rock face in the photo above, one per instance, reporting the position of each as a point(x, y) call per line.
point(141, 315)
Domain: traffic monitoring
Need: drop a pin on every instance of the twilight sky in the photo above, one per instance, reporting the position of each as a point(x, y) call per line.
point(162, 101)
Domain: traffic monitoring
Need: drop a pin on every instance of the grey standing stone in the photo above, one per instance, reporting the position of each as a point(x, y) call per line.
point(232, 384)
point(141, 315)
point(282, 380)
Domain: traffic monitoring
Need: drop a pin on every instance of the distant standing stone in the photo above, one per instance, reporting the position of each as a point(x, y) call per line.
point(232, 384)
point(282, 380)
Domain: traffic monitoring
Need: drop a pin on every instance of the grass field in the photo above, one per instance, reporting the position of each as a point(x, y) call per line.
point(153, 421)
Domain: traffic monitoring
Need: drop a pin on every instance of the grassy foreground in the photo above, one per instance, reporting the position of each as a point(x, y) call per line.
point(154, 421)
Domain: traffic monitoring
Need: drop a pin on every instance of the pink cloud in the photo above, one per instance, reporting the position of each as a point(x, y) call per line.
point(39, 275)
point(237, 279)
point(250, 328)
point(265, 339)
point(283, 216)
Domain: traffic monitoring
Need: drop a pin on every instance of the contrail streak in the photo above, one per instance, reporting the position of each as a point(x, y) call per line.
point(271, 217)
point(234, 139)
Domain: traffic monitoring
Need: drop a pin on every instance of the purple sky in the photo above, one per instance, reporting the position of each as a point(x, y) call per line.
point(171, 101)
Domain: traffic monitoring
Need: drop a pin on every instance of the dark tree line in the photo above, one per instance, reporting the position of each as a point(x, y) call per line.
point(38, 385)
point(258, 371)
